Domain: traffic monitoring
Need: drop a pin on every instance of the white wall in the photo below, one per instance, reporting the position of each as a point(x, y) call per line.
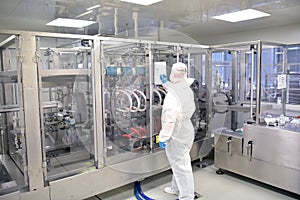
point(289, 34)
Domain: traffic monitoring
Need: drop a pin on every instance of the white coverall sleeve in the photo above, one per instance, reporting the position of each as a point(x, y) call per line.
point(169, 117)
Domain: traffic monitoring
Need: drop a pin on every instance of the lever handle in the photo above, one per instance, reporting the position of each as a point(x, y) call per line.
point(249, 148)
point(229, 141)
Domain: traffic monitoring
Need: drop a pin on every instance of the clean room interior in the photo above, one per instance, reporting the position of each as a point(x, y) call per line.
point(81, 104)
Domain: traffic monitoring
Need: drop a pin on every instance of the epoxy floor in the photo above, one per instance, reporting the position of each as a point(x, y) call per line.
point(207, 183)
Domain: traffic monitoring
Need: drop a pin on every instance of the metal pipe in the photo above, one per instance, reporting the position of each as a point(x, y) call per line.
point(116, 21)
point(135, 20)
point(189, 65)
point(151, 94)
point(243, 78)
point(177, 53)
point(161, 26)
point(251, 82)
point(99, 24)
point(209, 91)
point(258, 82)
point(284, 90)
point(234, 89)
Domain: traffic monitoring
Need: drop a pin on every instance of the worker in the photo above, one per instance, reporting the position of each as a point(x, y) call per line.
point(177, 133)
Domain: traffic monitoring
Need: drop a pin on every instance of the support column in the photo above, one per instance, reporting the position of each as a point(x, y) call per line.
point(31, 111)
point(99, 107)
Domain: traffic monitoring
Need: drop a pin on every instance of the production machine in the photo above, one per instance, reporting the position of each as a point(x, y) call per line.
point(260, 136)
point(133, 95)
point(80, 115)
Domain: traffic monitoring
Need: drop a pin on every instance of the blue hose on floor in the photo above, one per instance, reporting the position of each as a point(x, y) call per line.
point(139, 193)
point(136, 194)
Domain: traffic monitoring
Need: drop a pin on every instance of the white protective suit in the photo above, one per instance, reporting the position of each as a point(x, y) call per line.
point(178, 133)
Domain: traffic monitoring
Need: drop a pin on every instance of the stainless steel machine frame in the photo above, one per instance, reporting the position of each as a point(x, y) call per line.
point(254, 149)
point(97, 172)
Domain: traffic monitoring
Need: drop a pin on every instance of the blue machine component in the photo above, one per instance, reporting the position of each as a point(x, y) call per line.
point(121, 71)
point(140, 70)
point(127, 71)
point(112, 71)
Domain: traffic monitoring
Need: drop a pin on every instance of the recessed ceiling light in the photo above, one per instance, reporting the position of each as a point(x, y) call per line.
point(242, 15)
point(142, 2)
point(74, 23)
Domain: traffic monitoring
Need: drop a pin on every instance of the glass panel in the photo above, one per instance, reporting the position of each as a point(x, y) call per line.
point(272, 66)
point(293, 59)
point(221, 89)
point(195, 59)
point(12, 141)
point(279, 83)
point(65, 73)
point(231, 79)
point(281, 80)
point(222, 72)
point(126, 100)
point(164, 56)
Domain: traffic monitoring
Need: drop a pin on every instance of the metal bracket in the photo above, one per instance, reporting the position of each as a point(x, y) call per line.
point(37, 57)
point(19, 55)
point(253, 46)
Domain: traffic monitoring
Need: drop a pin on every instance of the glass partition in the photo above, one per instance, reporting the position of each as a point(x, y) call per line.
point(266, 77)
point(272, 65)
point(164, 56)
point(196, 59)
point(231, 85)
point(13, 174)
point(66, 96)
point(293, 70)
point(281, 81)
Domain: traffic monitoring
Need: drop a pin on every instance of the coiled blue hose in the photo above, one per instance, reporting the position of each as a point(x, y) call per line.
point(139, 193)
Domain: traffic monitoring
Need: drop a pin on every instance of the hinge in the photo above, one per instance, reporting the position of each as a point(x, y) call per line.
point(37, 57)
point(19, 55)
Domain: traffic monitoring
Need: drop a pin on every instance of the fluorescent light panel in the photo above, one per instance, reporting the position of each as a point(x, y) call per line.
point(242, 15)
point(142, 2)
point(289, 48)
point(10, 38)
point(74, 23)
point(93, 7)
point(83, 14)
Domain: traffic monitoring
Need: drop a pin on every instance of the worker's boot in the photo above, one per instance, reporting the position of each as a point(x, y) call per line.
point(196, 195)
point(170, 190)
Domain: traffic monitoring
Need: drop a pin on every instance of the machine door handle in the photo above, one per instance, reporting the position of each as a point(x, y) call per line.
point(229, 141)
point(249, 148)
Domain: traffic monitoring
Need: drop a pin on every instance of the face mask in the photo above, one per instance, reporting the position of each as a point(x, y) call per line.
point(177, 79)
point(172, 79)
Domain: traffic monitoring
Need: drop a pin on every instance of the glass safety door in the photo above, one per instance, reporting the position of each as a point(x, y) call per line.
point(13, 163)
point(66, 104)
point(126, 100)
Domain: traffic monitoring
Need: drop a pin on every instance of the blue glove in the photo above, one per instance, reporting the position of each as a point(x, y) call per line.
point(162, 145)
point(163, 78)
